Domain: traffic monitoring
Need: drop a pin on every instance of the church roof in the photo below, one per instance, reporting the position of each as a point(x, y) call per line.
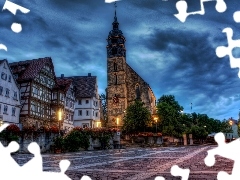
point(85, 86)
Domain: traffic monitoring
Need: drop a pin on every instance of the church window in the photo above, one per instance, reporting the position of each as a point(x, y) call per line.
point(114, 51)
point(115, 66)
point(115, 79)
point(138, 95)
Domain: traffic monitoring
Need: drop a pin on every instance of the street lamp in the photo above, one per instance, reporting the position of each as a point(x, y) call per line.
point(117, 122)
point(156, 122)
point(59, 119)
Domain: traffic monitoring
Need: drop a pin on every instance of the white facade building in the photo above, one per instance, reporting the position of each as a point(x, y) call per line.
point(9, 95)
point(87, 105)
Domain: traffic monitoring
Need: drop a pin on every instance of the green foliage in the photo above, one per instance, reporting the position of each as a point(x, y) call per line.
point(226, 127)
point(9, 136)
point(137, 118)
point(169, 113)
point(173, 123)
point(75, 140)
point(198, 132)
point(103, 101)
point(59, 143)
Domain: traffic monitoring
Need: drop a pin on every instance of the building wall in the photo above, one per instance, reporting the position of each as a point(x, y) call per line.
point(116, 86)
point(7, 83)
point(133, 81)
point(69, 109)
point(81, 109)
point(126, 90)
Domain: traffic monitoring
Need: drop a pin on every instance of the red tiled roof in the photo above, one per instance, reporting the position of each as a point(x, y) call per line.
point(85, 86)
point(29, 69)
point(64, 83)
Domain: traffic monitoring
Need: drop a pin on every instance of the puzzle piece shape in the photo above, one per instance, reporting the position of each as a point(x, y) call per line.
point(2, 46)
point(110, 1)
point(177, 171)
point(182, 7)
point(31, 170)
point(229, 151)
point(7, 163)
point(12, 7)
point(35, 163)
point(159, 178)
point(222, 51)
point(236, 16)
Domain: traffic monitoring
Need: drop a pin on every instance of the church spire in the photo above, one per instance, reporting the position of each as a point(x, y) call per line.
point(115, 17)
point(115, 22)
point(116, 40)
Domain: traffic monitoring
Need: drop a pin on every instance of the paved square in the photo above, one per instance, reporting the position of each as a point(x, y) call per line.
point(135, 163)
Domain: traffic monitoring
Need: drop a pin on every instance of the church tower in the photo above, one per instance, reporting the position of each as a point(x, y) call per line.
point(116, 75)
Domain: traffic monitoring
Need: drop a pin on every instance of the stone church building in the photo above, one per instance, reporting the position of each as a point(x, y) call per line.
point(124, 85)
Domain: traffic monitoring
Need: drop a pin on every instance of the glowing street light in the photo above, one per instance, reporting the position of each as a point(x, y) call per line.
point(156, 119)
point(117, 122)
point(59, 119)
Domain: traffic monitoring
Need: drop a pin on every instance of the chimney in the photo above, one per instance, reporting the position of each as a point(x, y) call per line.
point(62, 75)
point(89, 74)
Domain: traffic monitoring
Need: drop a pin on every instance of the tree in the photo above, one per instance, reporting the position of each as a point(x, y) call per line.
point(169, 113)
point(137, 118)
point(226, 127)
point(103, 101)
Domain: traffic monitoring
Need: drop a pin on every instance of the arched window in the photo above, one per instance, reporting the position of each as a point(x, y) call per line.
point(115, 66)
point(114, 51)
point(138, 95)
point(115, 79)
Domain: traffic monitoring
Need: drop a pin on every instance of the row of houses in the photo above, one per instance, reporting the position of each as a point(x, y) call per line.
point(32, 95)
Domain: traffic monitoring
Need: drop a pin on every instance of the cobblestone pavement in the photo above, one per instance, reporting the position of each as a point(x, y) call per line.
point(134, 164)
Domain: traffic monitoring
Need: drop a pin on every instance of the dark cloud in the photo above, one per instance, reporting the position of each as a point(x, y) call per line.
point(173, 57)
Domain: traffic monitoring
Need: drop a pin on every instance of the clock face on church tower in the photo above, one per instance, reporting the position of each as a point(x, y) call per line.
point(115, 99)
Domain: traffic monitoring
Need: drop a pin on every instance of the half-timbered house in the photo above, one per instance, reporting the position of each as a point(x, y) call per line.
point(9, 95)
point(37, 80)
point(66, 84)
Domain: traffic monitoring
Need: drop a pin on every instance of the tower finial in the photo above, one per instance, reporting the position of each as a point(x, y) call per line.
point(115, 17)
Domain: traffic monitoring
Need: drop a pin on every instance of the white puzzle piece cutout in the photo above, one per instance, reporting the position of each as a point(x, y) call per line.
point(182, 7)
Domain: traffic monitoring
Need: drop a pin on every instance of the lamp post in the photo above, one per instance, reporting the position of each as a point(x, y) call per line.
point(59, 119)
point(156, 122)
point(117, 122)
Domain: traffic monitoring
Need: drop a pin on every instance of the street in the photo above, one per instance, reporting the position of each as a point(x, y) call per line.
point(135, 163)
